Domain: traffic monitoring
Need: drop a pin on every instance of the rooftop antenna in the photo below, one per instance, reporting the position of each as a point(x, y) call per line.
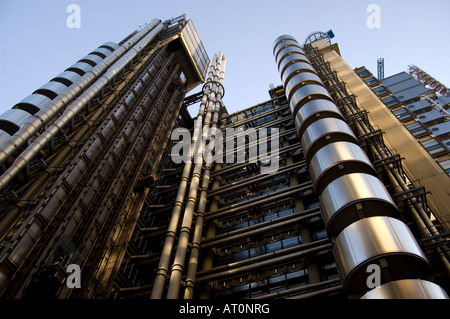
point(380, 69)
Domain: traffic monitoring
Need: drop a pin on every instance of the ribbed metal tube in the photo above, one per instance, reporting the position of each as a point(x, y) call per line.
point(369, 240)
point(355, 205)
point(407, 289)
point(90, 74)
point(71, 111)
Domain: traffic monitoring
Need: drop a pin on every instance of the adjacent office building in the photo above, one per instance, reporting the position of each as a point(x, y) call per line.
point(304, 195)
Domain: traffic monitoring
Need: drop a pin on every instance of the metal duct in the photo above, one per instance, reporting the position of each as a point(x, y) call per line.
point(407, 289)
point(336, 159)
point(50, 110)
point(11, 120)
point(162, 273)
point(322, 132)
point(380, 240)
point(33, 103)
point(78, 105)
point(312, 111)
point(355, 204)
point(67, 77)
point(352, 197)
point(188, 216)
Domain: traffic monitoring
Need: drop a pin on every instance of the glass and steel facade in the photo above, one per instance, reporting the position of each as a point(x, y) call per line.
point(420, 109)
point(301, 199)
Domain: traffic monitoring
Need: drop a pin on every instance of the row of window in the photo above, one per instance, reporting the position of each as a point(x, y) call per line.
point(276, 279)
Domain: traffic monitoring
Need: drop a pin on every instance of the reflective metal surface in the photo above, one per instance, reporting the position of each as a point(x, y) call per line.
point(103, 52)
point(296, 67)
point(33, 103)
point(352, 197)
point(284, 53)
point(283, 42)
point(299, 79)
point(290, 58)
point(288, 39)
point(95, 59)
point(11, 120)
point(324, 131)
point(307, 93)
point(81, 66)
point(110, 66)
point(369, 240)
point(4, 136)
point(312, 111)
point(336, 159)
point(113, 46)
point(55, 87)
point(407, 289)
point(67, 77)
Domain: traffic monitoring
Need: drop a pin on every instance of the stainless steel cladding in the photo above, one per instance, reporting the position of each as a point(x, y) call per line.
point(51, 89)
point(291, 58)
point(47, 112)
point(102, 52)
point(112, 46)
point(352, 197)
point(11, 120)
point(323, 132)
point(80, 67)
point(336, 159)
point(67, 77)
point(33, 103)
point(407, 289)
point(92, 59)
point(312, 111)
point(358, 211)
point(380, 240)
point(111, 65)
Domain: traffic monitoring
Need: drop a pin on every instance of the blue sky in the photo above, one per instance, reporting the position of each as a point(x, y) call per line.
point(36, 43)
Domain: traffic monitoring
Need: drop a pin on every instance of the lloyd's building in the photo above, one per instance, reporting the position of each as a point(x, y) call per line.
point(326, 209)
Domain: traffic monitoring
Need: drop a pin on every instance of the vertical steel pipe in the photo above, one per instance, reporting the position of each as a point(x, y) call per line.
point(197, 236)
point(183, 239)
point(162, 273)
point(124, 55)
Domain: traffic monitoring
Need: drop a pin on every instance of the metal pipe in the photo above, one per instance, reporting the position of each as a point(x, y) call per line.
point(426, 227)
point(279, 294)
point(261, 200)
point(180, 255)
point(8, 217)
point(79, 104)
point(263, 227)
point(302, 86)
point(163, 267)
point(263, 264)
point(39, 119)
point(257, 259)
point(197, 236)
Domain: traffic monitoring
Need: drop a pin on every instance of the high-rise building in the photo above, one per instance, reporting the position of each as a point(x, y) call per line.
point(110, 189)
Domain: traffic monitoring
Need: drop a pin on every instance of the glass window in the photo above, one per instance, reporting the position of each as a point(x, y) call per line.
point(432, 146)
point(390, 101)
point(402, 114)
point(380, 90)
point(371, 80)
point(362, 73)
point(416, 128)
point(446, 166)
